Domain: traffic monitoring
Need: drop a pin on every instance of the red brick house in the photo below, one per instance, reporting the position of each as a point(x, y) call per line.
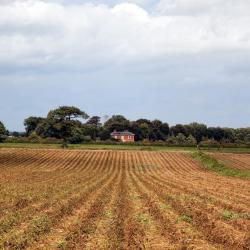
point(124, 136)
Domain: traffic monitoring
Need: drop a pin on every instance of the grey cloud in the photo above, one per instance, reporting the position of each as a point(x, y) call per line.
point(36, 32)
point(187, 65)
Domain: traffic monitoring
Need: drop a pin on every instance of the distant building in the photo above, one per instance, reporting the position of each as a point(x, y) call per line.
point(124, 136)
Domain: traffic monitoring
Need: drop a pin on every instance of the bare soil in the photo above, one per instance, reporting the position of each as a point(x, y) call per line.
point(63, 199)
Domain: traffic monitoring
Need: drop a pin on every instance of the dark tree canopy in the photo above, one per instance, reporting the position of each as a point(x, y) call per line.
point(151, 130)
point(216, 133)
point(94, 120)
point(104, 133)
point(142, 120)
point(66, 122)
point(145, 130)
point(177, 129)
point(198, 131)
point(63, 123)
point(159, 130)
point(3, 131)
point(2, 128)
point(118, 123)
point(31, 123)
point(65, 113)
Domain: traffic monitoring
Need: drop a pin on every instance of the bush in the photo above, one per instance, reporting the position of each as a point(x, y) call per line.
point(87, 138)
point(34, 137)
point(191, 141)
point(3, 138)
point(48, 140)
point(171, 140)
point(210, 143)
point(76, 139)
point(180, 139)
point(146, 142)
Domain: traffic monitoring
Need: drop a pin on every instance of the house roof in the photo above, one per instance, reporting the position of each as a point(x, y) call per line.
point(122, 133)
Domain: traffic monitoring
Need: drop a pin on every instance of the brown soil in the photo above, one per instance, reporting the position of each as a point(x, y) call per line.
point(62, 199)
point(239, 161)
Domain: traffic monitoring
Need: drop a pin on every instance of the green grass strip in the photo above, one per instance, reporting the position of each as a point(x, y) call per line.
point(125, 146)
point(213, 165)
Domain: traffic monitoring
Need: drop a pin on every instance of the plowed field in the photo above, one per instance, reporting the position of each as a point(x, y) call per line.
point(239, 161)
point(62, 199)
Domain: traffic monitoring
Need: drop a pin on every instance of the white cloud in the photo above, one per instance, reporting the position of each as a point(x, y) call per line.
point(198, 7)
point(83, 35)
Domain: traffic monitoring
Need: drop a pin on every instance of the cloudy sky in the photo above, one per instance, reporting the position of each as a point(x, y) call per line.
point(176, 60)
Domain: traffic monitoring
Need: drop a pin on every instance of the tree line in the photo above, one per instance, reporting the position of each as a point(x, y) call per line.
point(72, 125)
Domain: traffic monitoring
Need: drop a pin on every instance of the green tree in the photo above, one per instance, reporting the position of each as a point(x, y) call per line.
point(76, 134)
point(171, 139)
point(67, 113)
point(94, 120)
point(144, 127)
point(242, 135)
point(159, 130)
point(216, 133)
point(198, 131)
point(135, 127)
point(31, 124)
point(63, 123)
point(92, 126)
point(191, 141)
point(179, 128)
point(3, 132)
point(90, 130)
point(165, 129)
point(118, 123)
point(104, 134)
point(181, 139)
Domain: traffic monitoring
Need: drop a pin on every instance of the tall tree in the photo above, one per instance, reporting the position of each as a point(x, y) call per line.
point(177, 129)
point(215, 133)
point(145, 130)
point(104, 134)
point(67, 113)
point(2, 132)
point(198, 131)
point(159, 130)
point(92, 126)
point(94, 120)
point(135, 127)
point(118, 123)
point(31, 124)
point(165, 128)
point(63, 123)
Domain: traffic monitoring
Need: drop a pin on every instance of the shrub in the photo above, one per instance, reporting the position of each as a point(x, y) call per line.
point(209, 143)
point(3, 138)
point(87, 138)
point(34, 137)
point(191, 141)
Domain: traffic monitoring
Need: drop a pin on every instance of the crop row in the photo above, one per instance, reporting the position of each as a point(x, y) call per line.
point(118, 200)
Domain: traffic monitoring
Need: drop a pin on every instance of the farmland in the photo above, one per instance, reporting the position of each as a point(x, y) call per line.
point(238, 161)
point(104, 199)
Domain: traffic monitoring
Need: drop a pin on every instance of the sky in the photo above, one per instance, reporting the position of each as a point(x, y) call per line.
point(176, 60)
